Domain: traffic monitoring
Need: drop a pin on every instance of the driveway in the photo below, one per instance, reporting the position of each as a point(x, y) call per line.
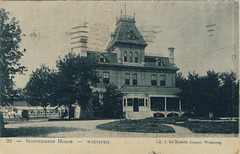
point(86, 129)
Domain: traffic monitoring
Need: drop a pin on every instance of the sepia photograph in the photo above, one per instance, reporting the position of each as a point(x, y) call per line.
point(119, 69)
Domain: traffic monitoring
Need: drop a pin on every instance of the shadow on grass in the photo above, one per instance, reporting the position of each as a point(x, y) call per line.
point(140, 126)
point(36, 131)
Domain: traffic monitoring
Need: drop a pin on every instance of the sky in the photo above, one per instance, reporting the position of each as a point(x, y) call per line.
point(202, 33)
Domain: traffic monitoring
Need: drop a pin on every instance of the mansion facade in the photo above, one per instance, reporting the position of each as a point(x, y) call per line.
point(146, 82)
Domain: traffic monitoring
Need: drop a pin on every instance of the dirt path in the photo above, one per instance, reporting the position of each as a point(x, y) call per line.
point(181, 131)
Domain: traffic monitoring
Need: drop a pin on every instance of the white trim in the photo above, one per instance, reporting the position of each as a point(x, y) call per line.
point(163, 96)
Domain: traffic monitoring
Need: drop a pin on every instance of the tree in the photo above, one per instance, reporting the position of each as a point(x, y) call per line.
point(201, 93)
point(10, 54)
point(210, 93)
point(75, 76)
point(183, 84)
point(215, 93)
point(229, 94)
point(112, 102)
point(39, 89)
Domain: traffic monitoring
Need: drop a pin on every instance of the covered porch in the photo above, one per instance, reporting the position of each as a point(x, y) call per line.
point(145, 101)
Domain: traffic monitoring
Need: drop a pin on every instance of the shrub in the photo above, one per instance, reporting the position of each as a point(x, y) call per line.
point(1, 124)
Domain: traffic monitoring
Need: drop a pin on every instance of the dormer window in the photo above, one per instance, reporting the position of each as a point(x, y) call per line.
point(159, 62)
point(102, 58)
point(131, 35)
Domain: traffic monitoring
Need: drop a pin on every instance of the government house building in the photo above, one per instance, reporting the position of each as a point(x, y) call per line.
point(146, 82)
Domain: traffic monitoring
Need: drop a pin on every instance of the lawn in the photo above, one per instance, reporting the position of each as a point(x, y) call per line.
point(142, 126)
point(156, 125)
point(227, 127)
point(36, 131)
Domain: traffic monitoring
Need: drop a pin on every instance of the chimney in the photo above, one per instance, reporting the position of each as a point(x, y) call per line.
point(79, 39)
point(171, 54)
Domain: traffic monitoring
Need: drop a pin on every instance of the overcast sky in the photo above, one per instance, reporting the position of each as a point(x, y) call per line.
point(182, 25)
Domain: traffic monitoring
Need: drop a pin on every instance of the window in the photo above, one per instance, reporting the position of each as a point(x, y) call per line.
point(129, 102)
point(131, 35)
point(159, 62)
point(124, 102)
point(125, 56)
point(106, 77)
point(162, 80)
point(130, 56)
point(101, 58)
point(141, 102)
point(134, 79)
point(154, 80)
point(127, 78)
point(98, 79)
point(136, 57)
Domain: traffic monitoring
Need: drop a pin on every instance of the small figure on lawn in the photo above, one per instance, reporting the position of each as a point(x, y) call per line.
point(25, 115)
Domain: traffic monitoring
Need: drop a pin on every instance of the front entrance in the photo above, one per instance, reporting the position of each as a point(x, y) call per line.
point(135, 105)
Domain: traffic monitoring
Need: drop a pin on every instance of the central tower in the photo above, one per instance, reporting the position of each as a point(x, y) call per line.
point(127, 41)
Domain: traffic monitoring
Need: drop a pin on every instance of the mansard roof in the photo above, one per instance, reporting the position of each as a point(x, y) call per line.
point(126, 33)
point(152, 60)
point(109, 57)
point(110, 60)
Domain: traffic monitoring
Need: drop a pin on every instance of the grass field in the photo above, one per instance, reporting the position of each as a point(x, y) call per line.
point(226, 127)
point(143, 126)
point(36, 131)
point(156, 125)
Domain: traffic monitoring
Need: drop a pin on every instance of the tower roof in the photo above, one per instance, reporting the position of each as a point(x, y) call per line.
point(126, 33)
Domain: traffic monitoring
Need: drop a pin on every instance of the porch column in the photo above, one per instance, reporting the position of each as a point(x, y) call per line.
point(126, 100)
point(145, 101)
point(165, 104)
point(180, 105)
point(60, 113)
point(149, 102)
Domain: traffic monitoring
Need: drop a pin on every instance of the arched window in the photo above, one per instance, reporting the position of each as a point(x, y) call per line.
point(136, 57)
point(130, 56)
point(125, 56)
point(134, 79)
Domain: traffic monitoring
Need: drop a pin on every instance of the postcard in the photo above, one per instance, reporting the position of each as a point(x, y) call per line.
point(151, 77)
